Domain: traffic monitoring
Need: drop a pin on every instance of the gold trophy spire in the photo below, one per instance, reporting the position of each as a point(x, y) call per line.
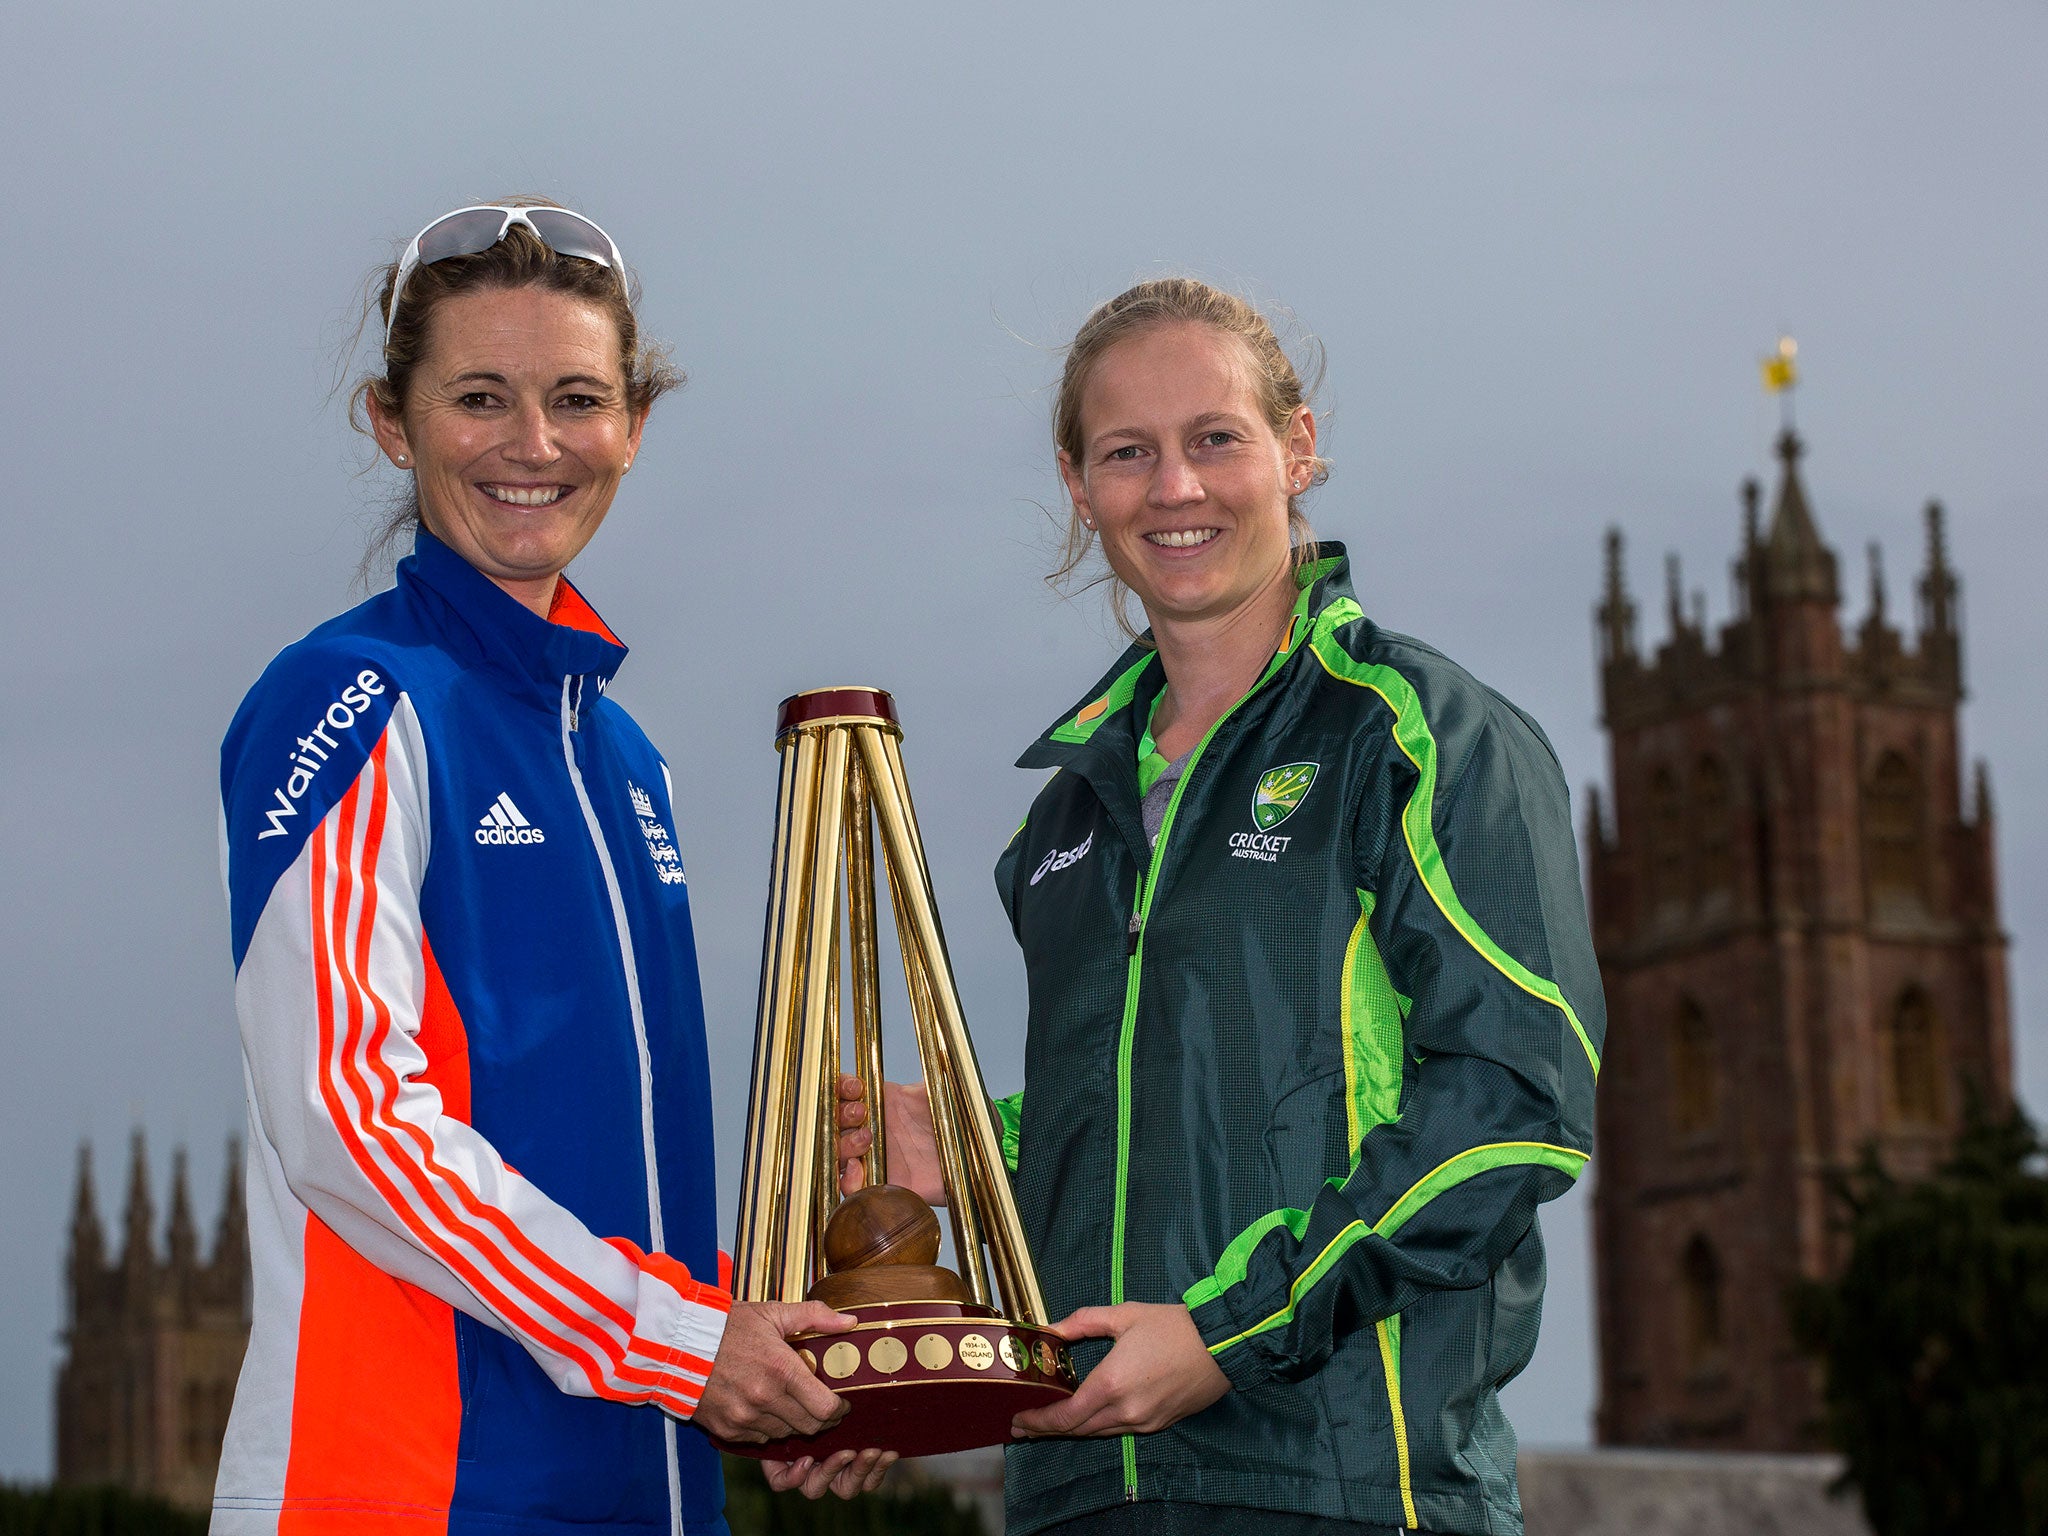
point(982, 1352)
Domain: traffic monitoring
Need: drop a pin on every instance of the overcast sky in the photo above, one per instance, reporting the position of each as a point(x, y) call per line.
point(1544, 246)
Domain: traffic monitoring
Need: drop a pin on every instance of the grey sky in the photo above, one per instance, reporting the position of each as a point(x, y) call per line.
point(1544, 246)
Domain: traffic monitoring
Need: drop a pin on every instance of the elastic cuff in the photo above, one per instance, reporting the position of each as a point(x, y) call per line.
point(684, 1319)
point(695, 1334)
point(1241, 1358)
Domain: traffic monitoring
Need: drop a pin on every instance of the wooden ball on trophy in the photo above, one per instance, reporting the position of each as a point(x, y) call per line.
point(881, 1224)
point(880, 1246)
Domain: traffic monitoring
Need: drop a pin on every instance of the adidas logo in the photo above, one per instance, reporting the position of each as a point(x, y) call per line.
point(502, 823)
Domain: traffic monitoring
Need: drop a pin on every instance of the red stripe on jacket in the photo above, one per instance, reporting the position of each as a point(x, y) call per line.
point(344, 958)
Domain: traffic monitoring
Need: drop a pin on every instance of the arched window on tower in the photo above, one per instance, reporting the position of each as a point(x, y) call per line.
point(1699, 1280)
point(1695, 1073)
point(1714, 819)
point(1912, 1054)
point(1666, 841)
point(1894, 849)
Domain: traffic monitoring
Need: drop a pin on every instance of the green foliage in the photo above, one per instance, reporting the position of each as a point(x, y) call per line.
point(92, 1512)
point(900, 1508)
point(1935, 1338)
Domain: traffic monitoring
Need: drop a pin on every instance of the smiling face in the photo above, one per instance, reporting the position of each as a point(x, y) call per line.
point(517, 429)
point(1184, 479)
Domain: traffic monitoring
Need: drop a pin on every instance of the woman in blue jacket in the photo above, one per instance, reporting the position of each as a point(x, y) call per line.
point(482, 1205)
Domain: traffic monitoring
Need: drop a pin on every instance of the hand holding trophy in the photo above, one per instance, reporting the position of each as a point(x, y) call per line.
point(937, 1359)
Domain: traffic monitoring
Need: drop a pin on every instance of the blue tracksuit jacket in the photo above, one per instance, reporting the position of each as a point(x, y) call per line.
point(482, 1210)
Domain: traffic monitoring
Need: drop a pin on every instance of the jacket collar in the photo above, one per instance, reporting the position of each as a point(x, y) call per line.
point(572, 641)
point(1110, 717)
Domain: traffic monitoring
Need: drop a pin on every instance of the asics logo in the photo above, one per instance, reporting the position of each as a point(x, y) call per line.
point(1055, 862)
point(502, 823)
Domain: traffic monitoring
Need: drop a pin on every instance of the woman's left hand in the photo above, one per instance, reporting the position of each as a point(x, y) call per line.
point(1156, 1373)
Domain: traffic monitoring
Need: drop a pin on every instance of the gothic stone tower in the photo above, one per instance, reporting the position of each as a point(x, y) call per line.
point(1798, 931)
point(152, 1344)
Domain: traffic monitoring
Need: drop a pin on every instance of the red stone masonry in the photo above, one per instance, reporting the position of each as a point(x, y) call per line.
point(1786, 862)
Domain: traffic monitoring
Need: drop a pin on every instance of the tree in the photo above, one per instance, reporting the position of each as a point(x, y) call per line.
point(1935, 1337)
point(95, 1511)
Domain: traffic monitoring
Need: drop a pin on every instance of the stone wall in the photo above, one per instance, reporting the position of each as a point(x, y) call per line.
point(1589, 1493)
point(1684, 1493)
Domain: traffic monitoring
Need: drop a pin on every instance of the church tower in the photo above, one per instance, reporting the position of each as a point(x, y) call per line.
point(153, 1343)
point(1797, 924)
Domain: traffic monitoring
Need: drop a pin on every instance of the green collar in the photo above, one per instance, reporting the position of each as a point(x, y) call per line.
point(1323, 582)
point(1151, 761)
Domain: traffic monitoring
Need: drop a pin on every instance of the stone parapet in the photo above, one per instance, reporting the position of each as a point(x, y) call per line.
point(1684, 1493)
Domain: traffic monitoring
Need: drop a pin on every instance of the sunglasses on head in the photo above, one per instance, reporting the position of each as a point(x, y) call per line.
point(472, 231)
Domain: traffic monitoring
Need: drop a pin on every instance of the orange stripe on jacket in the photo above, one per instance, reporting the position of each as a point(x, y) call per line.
point(352, 973)
point(478, 1210)
point(358, 1436)
point(444, 1039)
point(377, 1400)
point(440, 1017)
point(620, 1368)
point(332, 957)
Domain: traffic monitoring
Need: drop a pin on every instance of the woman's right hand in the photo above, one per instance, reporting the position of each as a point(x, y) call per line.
point(913, 1146)
point(759, 1389)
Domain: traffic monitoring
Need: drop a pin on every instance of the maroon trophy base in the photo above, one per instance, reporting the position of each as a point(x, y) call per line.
point(921, 1378)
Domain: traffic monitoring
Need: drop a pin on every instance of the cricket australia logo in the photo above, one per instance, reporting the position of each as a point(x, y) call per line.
point(1276, 797)
point(1280, 791)
point(668, 864)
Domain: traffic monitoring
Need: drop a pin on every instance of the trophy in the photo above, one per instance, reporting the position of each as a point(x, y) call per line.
point(939, 1359)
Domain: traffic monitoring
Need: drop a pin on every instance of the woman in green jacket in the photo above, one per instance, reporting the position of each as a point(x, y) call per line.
point(1314, 1013)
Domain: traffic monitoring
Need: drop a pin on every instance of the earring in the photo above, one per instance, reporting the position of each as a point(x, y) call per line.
point(401, 458)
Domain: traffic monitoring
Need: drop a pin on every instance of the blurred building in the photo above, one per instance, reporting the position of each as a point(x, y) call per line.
point(1796, 912)
point(152, 1341)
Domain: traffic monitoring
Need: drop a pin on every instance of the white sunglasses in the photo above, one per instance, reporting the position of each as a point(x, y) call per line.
point(471, 231)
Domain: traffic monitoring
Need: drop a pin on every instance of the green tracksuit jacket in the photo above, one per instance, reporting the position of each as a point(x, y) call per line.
point(1309, 1064)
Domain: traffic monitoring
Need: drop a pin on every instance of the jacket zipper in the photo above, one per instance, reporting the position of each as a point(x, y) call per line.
point(572, 703)
point(1141, 912)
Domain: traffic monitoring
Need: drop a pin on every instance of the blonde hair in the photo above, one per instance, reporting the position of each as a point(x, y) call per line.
point(1172, 301)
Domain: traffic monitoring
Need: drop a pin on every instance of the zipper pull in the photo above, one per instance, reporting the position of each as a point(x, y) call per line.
point(1132, 934)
